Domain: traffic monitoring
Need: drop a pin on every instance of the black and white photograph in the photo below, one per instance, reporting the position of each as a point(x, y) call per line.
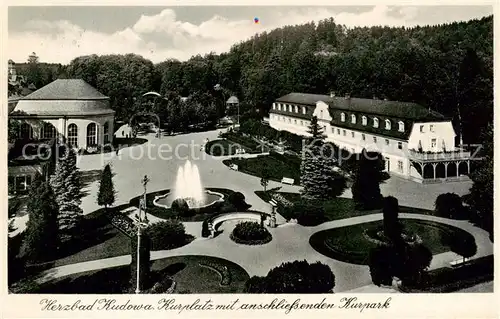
point(191, 150)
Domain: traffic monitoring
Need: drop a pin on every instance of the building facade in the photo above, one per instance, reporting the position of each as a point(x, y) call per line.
point(417, 143)
point(69, 109)
point(66, 111)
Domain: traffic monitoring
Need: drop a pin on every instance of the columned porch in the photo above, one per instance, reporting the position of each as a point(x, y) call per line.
point(440, 167)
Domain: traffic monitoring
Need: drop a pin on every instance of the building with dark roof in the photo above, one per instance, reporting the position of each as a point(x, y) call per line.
point(70, 109)
point(417, 143)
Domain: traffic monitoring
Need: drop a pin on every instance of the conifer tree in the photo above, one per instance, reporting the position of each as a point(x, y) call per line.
point(106, 195)
point(41, 239)
point(368, 175)
point(67, 190)
point(318, 179)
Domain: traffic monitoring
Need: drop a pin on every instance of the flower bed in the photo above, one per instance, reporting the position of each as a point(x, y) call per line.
point(250, 233)
point(222, 270)
point(124, 224)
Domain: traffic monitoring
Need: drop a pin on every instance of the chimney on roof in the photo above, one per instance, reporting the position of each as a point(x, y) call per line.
point(347, 96)
point(332, 94)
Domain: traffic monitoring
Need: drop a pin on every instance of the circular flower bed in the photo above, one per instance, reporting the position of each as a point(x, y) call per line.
point(250, 233)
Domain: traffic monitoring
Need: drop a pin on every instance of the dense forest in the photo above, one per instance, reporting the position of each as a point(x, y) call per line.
point(448, 68)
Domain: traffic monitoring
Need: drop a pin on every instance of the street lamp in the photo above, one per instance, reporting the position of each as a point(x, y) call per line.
point(140, 223)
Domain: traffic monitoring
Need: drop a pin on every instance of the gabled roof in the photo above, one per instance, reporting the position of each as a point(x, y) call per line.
point(393, 109)
point(66, 89)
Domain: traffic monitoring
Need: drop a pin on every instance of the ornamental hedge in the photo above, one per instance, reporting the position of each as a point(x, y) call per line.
point(250, 233)
point(168, 234)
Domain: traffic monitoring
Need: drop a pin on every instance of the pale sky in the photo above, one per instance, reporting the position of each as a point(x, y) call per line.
point(59, 34)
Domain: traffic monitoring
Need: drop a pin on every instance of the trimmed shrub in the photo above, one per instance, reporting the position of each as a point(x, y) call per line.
point(392, 227)
point(294, 277)
point(250, 233)
point(307, 213)
point(449, 205)
point(167, 234)
point(380, 266)
point(180, 207)
point(462, 244)
point(237, 199)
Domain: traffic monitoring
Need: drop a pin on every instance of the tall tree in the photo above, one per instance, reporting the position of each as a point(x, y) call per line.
point(41, 239)
point(368, 175)
point(106, 193)
point(67, 189)
point(480, 197)
point(318, 179)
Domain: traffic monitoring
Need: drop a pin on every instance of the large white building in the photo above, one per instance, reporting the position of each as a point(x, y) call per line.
point(68, 108)
point(417, 143)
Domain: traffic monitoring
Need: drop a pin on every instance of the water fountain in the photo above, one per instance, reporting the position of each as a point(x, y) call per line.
point(188, 186)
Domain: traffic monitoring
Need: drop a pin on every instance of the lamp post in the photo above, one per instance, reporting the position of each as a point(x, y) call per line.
point(273, 204)
point(140, 225)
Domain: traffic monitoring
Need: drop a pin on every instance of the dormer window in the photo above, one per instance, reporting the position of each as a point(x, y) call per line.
point(421, 128)
point(303, 110)
point(431, 128)
point(279, 107)
point(289, 108)
point(353, 119)
point(364, 120)
point(375, 122)
point(387, 124)
point(296, 109)
point(401, 126)
point(342, 117)
point(274, 106)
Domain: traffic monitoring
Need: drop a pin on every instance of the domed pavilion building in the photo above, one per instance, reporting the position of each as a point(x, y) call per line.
point(68, 109)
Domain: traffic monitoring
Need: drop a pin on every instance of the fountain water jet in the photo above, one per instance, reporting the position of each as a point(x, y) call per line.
point(188, 187)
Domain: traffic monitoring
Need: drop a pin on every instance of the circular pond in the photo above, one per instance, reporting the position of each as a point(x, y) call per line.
point(208, 199)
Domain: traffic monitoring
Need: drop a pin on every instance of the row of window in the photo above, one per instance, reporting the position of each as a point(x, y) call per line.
point(363, 137)
point(289, 120)
point(49, 131)
point(364, 122)
point(422, 128)
point(289, 108)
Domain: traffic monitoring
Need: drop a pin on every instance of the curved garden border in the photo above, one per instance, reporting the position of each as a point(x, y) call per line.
point(322, 246)
point(221, 199)
point(218, 219)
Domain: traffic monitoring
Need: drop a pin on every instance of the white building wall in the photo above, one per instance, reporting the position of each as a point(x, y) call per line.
point(424, 134)
point(394, 150)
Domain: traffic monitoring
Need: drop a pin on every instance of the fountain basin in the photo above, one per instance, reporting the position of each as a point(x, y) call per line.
point(209, 199)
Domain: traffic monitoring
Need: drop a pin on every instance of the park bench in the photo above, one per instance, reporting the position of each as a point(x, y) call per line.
point(459, 262)
point(233, 167)
point(287, 180)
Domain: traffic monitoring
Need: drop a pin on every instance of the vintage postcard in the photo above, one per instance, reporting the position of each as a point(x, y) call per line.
point(241, 161)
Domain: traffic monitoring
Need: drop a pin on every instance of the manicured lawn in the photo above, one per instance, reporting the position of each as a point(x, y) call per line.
point(350, 244)
point(337, 208)
point(277, 165)
point(231, 142)
point(187, 271)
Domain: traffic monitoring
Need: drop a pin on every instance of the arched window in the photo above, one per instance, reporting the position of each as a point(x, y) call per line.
point(73, 135)
point(353, 119)
point(375, 122)
point(26, 131)
point(342, 117)
point(91, 134)
point(364, 120)
point(106, 132)
point(401, 126)
point(387, 124)
point(48, 131)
